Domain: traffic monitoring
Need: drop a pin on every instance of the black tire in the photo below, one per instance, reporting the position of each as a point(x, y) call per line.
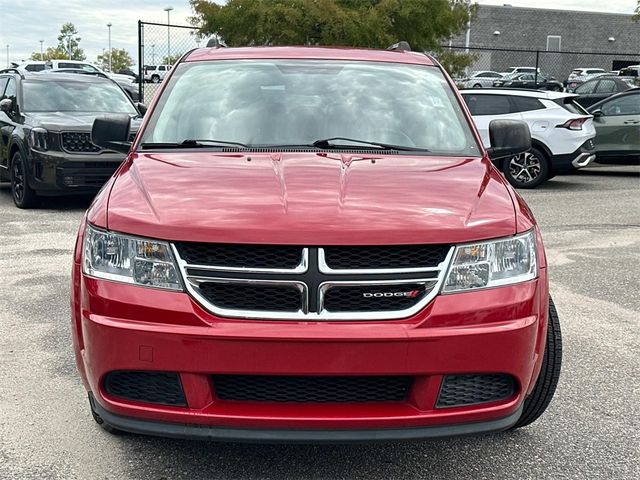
point(536, 403)
point(98, 419)
point(23, 195)
point(527, 170)
point(155, 79)
point(477, 85)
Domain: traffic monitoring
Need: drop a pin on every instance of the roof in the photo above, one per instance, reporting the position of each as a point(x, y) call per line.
point(519, 92)
point(328, 53)
point(46, 75)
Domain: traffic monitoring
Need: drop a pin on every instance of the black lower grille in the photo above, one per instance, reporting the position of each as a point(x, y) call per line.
point(388, 256)
point(240, 256)
point(78, 142)
point(150, 387)
point(237, 296)
point(267, 388)
point(378, 298)
point(459, 390)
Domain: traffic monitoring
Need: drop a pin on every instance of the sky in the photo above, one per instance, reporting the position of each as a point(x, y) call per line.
point(23, 23)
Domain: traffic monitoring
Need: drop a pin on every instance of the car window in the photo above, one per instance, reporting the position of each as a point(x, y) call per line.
point(10, 90)
point(75, 96)
point(3, 84)
point(594, 71)
point(34, 67)
point(488, 104)
point(162, 68)
point(585, 88)
point(606, 86)
point(625, 105)
point(526, 104)
point(295, 102)
point(526, 78)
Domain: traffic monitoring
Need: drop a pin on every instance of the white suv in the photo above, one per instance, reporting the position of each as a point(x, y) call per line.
point(155, 73)
point(562, 131)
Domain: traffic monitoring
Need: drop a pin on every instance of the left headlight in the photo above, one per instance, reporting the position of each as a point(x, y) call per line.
point(38, 139)
point(493, 263)
point(127, 259)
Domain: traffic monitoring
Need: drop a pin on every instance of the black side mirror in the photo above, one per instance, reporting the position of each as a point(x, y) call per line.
point(142, 108)
point(597, 113)
point(508, 138)
point(111, 132)
point(6, 105)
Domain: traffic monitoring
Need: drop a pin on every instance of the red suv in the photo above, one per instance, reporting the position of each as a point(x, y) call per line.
point(311, 244)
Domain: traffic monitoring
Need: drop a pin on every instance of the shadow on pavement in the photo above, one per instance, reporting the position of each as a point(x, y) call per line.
point(58, 203)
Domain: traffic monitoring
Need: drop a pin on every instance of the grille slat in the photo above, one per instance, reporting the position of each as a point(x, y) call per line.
point(311, 389)
point(253, 296)
point(460, 390)
point(150, 387)
point(240, 256)
point(385, 257)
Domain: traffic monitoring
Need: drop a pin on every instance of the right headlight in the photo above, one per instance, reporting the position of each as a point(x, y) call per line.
point(493, 263)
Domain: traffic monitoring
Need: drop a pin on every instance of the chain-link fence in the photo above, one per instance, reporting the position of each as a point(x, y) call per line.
point(159, 47)
point(554, 63)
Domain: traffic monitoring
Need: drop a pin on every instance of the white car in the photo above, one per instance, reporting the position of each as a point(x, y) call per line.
point(482, 79)
point(514, 70)
point(156, 73)
point(562, 131)
point(38, 65)
point(579, 73)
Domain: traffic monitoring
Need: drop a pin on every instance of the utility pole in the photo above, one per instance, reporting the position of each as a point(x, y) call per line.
point(41, 50)
point(109, 25)
point(8, 56)
point(168, 10)
point(153, 54)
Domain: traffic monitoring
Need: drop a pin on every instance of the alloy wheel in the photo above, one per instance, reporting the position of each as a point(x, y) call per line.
point(17, 184)
point(525, 168)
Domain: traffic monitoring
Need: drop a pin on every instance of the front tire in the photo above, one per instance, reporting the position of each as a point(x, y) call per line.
point(23, 195)
point(477, 85)
point(536, 403)
point(527, 170)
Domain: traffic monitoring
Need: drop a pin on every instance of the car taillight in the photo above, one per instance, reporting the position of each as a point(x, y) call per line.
point(574, 124)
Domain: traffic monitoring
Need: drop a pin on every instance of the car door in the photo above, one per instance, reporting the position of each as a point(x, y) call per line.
point(618, 127)
point(485, 108)
point(7, 90)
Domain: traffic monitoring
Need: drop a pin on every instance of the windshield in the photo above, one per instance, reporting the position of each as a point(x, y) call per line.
point(73, 96)
point(294, 103)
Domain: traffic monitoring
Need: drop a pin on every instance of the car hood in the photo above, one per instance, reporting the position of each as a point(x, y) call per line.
point(65, 121)
point(308, 198)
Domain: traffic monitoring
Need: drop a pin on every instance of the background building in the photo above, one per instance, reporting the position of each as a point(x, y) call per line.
point(565, 39)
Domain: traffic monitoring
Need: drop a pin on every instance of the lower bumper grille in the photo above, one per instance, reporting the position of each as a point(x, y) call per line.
point(461, 390)
point(150, 387)
point(267, 388)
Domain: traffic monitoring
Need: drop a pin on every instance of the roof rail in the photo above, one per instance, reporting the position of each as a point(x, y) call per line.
point(401, 46)
point(13, 70)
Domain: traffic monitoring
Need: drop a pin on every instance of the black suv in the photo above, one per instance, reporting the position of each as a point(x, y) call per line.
point(45, 125)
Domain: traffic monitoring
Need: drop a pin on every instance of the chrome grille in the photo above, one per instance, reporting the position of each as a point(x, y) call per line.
point(281, 282)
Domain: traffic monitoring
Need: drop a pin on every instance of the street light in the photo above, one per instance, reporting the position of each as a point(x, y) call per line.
point(168, 10)
point(153, 54)
point(109, 25)
point(41, 50)
point(8, 56)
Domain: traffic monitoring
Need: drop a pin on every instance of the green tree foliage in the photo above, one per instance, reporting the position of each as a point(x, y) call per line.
point(120, 60)
point(636, 17)
point(171, 60)
point(51, 53)
point(69, 41)
point(425, 24)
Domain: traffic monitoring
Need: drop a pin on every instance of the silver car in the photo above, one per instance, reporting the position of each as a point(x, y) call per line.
point(481, 79)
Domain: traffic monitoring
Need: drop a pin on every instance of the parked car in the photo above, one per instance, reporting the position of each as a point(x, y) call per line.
point(515, 70)
point(318, 249)
point(571, 85)
point(617, 123)
point(130, 73)
point(156, 73)
point(482, 79)
point(562, 132)
point(600, 88)
point(131, 89)
point(630, 71)
point(46, 121)
point(577, 75)
point(529, 80)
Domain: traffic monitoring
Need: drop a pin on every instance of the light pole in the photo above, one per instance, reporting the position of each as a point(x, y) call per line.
point(8, 55)
point(168, 10)
point(153, 54)
point(41, 50)
point(109, 25)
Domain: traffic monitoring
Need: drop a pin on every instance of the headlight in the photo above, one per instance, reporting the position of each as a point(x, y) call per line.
point(493, 263)
point(122, 258)
point(38, 139)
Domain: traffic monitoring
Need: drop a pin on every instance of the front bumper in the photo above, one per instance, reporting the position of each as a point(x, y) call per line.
point(120, 328)
point(56, 172)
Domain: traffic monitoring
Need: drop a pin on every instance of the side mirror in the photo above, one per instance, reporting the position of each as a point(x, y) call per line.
point(142, 108)
point(508, 138)
point(111, 132)
point(597, 113)
point(6, 105)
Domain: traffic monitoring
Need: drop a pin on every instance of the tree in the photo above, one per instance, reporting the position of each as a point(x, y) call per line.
point(171, 60)
point(68, 42)
point(120, 60)
point(51, 53)
point(425, 24)
point(636, 17)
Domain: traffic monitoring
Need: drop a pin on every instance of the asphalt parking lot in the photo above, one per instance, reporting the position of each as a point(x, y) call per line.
point(591, 226)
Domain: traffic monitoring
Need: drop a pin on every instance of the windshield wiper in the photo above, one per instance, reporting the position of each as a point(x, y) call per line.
point(329, 143)
point(192, 143)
